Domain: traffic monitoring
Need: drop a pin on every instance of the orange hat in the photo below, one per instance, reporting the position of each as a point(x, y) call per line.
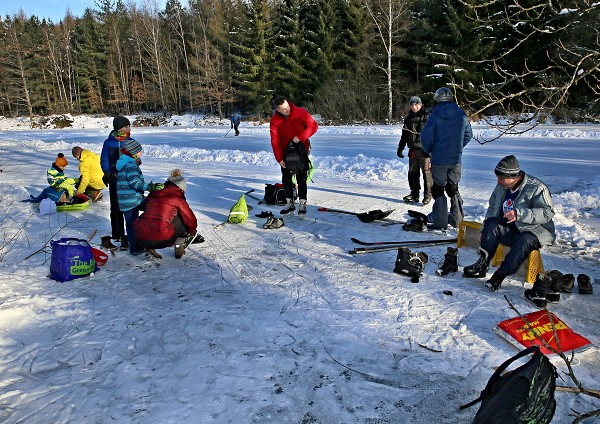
point(61, 160)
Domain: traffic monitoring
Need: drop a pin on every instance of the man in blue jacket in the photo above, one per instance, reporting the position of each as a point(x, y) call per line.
point(443, 137)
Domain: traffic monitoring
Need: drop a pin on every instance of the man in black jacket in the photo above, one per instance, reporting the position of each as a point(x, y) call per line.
point(418, 160)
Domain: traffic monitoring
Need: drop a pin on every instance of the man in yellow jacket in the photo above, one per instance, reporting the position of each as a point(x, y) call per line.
point(90, 181)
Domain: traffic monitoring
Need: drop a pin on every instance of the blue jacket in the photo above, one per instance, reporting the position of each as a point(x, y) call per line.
point(130, 183)
point(445, 133)
point(111, 151)
point(235, 119)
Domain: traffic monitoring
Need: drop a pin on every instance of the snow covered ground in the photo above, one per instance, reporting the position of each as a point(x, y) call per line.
point(275, 326)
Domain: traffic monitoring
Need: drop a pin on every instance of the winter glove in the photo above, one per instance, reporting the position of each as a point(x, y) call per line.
point(155, 186)
point(399, 152)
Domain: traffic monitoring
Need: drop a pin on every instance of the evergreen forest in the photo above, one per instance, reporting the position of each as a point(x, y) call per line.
point(346, 60)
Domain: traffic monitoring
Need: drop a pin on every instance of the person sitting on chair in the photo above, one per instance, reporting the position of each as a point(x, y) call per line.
point(520, 216)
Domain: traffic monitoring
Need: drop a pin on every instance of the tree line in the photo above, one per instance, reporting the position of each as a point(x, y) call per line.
point(347, 60)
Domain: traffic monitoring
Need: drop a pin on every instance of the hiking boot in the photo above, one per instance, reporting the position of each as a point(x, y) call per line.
point(426, 200)
point(584, 284)
point(557, 278)
point(107, 244)
point(277, 223)
point(97, 196)
point(415, 225)
point(480, 268)
point(537, 294)
point(268, 225)
point(410, 264)
point(450, 262)
point(495, 282)
point(124, 243)
point(568, 283)
point(289, 207)
point(179, 250)
point(411, 198)
point(302, 207)
point(154, 253)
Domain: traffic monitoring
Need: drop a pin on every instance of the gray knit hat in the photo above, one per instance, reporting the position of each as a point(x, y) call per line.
point(176, 178)
point(508, 167)
point(131, 146)
point(415, 99)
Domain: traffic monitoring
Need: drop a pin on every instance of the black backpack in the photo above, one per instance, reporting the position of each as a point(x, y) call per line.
point(296, 158)
point(274, 194)
point(523, 395)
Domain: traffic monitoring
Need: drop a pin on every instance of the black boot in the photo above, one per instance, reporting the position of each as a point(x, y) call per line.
point(410, 264)
point(450, 262)
point(124, 243)
point(568, 283)
point(495, 282)
point(541, 288)
point(557, 285)
point(415, 225)
point(480, 268)
point(584, 284)
point(411, 198)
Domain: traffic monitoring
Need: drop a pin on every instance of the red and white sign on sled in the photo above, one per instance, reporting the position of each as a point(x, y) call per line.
point(520, 333)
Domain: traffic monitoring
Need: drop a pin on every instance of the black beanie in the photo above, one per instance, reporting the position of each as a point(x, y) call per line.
point(508, 167)
point(120, 122)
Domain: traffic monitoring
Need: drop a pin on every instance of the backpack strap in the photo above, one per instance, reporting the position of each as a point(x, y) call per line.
point(496, 376)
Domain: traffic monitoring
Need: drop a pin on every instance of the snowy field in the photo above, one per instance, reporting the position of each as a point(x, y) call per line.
point(275, 326)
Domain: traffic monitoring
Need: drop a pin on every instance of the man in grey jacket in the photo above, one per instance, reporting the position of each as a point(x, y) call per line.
point(520, 216)
point(444, 136)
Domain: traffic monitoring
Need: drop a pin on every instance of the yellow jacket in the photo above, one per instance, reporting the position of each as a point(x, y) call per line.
point(91, 172)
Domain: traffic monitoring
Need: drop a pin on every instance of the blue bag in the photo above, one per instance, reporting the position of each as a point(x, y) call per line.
point(71, 258)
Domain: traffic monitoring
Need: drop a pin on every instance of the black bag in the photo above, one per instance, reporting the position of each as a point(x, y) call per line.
point(274, 194)
point(523, 395)
point(296, 158)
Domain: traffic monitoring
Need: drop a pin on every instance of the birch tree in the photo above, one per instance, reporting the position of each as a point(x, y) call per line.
point(390, 20)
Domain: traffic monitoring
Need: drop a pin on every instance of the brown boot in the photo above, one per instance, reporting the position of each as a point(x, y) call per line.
point(107, 244)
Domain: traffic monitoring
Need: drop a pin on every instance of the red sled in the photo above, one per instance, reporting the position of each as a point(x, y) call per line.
point(522, 335)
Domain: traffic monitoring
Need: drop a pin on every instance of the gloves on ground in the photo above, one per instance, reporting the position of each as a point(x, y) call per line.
point(155, 186)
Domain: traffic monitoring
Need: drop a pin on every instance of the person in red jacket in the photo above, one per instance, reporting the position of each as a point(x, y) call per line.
point(291, 125)
point(167, 219)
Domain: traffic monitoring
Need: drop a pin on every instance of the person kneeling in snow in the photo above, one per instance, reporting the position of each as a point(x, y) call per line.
point(520, 216)
point(61, 188)
point(167, 219)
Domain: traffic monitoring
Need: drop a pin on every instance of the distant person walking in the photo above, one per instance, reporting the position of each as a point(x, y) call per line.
point(111, 151)
point(418, 160)
point(445, 134)
point(291, 128)
point(235, 119)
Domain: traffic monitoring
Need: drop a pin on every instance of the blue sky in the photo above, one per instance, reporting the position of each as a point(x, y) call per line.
point(50, 9)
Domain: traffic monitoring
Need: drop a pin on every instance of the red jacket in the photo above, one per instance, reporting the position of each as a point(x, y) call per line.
point(161, 207)
point(298, 123)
